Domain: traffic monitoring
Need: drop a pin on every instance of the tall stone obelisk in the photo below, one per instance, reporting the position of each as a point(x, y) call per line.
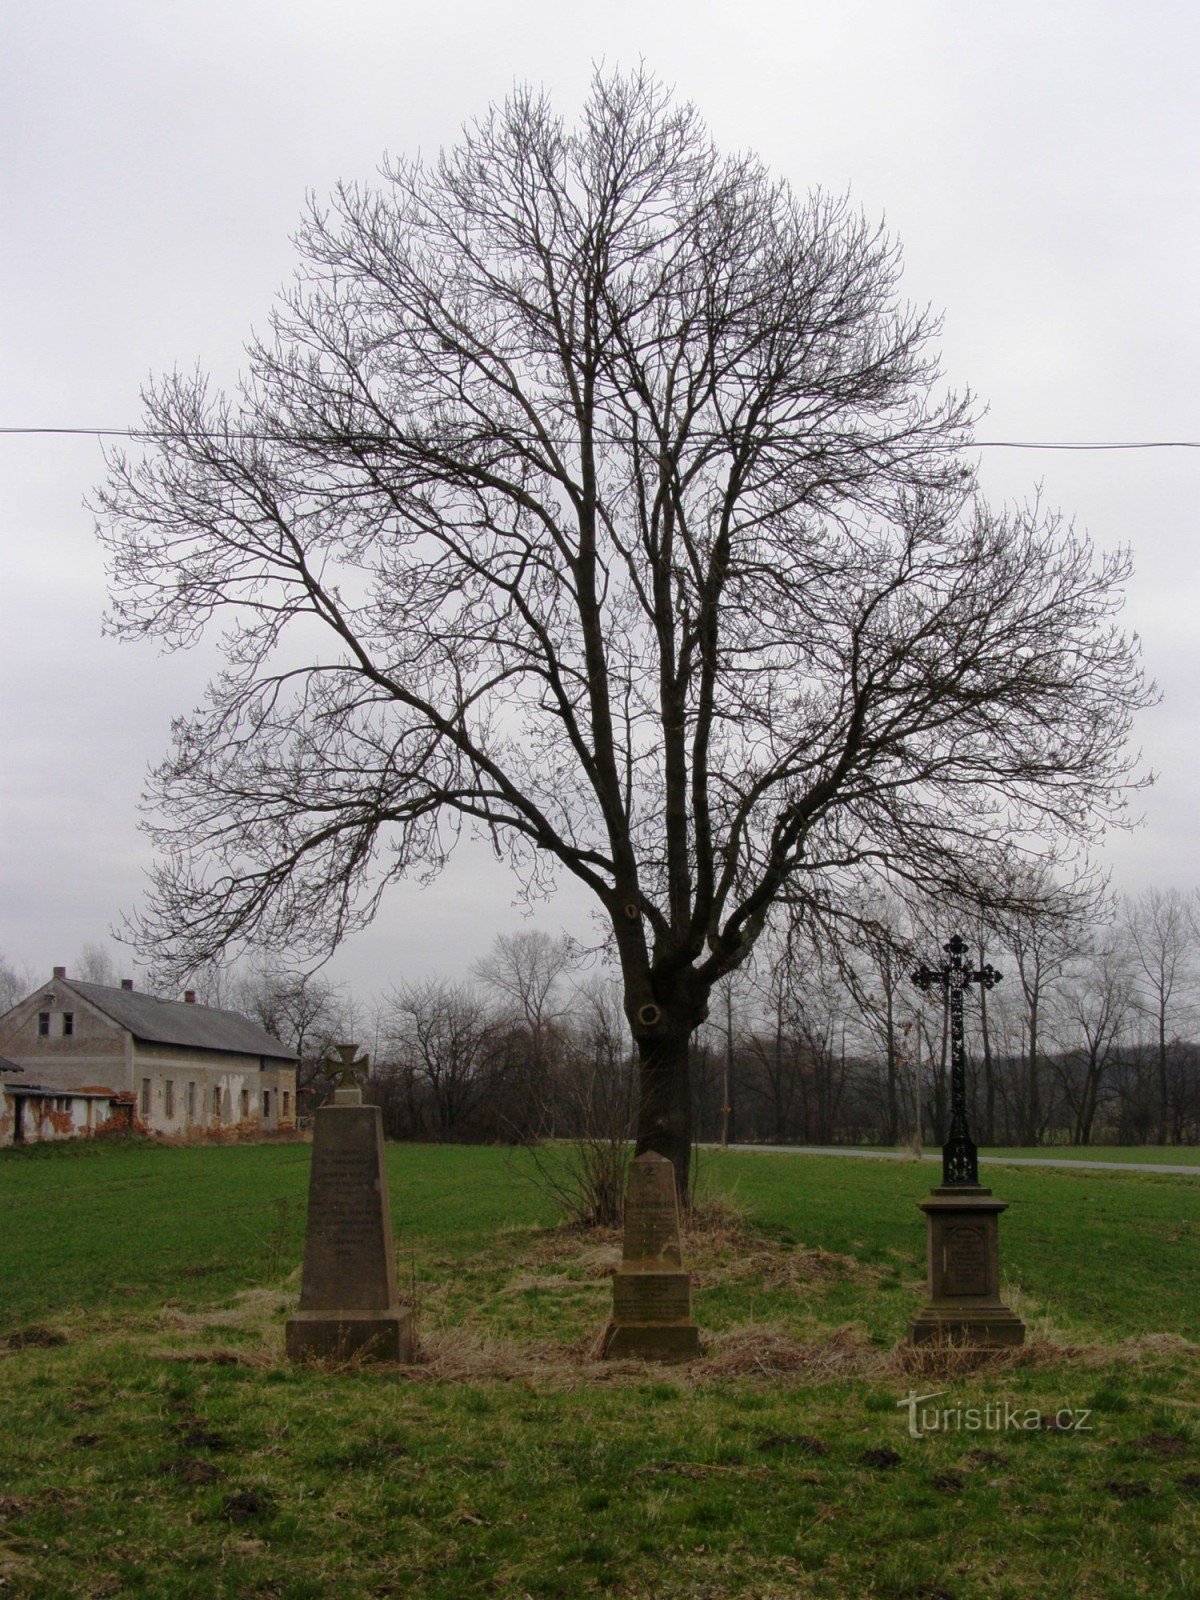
point(349, 1305)
point(652, 1294)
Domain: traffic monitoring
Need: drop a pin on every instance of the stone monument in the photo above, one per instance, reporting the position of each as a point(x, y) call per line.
point(349, 1305)
point(652, 1294)
point(962, 1218)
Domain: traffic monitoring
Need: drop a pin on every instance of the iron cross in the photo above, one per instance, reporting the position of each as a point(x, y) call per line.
point(347, 1072)
point(960, 1159)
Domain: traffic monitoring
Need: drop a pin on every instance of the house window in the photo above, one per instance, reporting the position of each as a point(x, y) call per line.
point(217, 1102)
point(266, 1102)
point(145, 1097)
point(191, 1102)
point(43, 1024)
point(68, 1024)
point(245, 1104)
point(287, 1100)
point(169, 1099)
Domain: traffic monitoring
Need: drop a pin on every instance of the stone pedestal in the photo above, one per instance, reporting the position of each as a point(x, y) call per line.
point(349, 1307)
point(964, 1272)
point(652, 1294)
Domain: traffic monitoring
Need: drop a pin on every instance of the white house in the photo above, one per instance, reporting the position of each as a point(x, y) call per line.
point(89, 1058)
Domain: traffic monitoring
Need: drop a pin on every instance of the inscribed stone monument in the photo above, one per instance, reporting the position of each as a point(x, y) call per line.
point(652, 1294)
point(349, 1305)
point(964, 1272)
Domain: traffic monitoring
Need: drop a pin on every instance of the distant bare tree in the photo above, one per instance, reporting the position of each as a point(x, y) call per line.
point(1094, 1009)
point(1162, 933)
point(595, 1106)
point(301, 1010)
point(15, 983)
point(1045, 937)
point(443, 1034)
point(594, 493)
point(524, 971)
point(94, 964)
point(877, 960)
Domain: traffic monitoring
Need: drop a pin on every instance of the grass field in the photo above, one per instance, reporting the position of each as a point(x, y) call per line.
point(1167, 1155)
point(164, 1448)
point(1170, 1155)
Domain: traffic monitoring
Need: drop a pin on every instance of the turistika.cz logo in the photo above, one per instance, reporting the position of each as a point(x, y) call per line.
point(994, 1416)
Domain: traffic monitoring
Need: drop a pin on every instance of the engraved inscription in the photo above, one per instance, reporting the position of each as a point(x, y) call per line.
point(348, 1263)
point(651, 1214)
point(964, 1259)
point(652, 1297)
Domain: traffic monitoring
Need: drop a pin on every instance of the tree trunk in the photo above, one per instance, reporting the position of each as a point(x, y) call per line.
point(1033, 1113)
point(665, 1103)
point(892, 1131)
point(1163, 1098)
point(989, 1071)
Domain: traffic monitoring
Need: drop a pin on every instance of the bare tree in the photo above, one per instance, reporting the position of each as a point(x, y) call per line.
point(301, 1010)
point(442, 1033)
point(525, 971)
point(878, 957)
point(593, 493)
point(94, 964)
point(1095, 1004)
point(15, 983)
point(1161, 928)
point(595, 1106)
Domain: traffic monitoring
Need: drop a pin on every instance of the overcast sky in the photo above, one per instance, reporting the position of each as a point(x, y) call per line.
point(1038, 161)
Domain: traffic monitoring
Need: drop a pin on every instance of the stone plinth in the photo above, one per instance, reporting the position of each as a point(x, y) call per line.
point(652, 1294)
point(964, 1272)
point(349, 1305)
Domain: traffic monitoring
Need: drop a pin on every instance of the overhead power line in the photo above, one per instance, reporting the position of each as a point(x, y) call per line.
point(974, 444)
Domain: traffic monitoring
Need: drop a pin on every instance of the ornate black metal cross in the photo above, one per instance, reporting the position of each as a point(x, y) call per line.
point(960, 1159)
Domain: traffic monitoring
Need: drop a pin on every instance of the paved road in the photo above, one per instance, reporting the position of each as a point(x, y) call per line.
point(991, 1161)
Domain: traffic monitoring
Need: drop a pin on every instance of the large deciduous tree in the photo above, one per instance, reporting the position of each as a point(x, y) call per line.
point(593, 492)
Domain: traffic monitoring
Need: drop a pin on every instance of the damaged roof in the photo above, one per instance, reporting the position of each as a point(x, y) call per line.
point(180, 1022)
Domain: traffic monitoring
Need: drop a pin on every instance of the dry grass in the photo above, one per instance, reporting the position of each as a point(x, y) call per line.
point(720, 1247)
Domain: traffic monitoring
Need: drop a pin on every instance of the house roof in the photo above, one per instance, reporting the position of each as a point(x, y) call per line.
point(179, 1022)
point(43, 1091)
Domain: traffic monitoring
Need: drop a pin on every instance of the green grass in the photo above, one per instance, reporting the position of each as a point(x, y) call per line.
point(1095, 1252)
point(167, 1450)
point(1168, 1155)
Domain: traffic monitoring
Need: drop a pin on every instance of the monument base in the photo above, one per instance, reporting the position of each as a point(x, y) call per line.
point(652, 1316)
point(963, 1260)
point(650, 1341)
point(997, 1329)
point(350, 1336)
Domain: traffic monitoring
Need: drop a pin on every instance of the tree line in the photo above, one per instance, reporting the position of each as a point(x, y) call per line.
point(1088, 1040)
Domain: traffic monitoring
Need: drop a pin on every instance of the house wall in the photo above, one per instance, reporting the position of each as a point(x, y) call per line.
point(231, 1094)
point(64, 1116)
point(93, 1056)
point(184, 1093)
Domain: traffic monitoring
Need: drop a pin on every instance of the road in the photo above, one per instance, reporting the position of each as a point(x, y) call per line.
point(984, 1161)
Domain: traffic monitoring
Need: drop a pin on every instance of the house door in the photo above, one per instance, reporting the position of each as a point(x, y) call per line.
point(18, 1119)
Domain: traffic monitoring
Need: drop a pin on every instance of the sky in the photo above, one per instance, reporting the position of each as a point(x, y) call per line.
point(1037, 161)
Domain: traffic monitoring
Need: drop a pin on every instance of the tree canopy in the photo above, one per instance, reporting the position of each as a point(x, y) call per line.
point(596, 492)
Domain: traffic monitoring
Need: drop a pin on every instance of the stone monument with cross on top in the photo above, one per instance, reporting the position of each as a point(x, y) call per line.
point(349, 1304)
point(962, 1218)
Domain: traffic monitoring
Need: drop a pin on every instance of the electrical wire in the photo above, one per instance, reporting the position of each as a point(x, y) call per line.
point(975, 444)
